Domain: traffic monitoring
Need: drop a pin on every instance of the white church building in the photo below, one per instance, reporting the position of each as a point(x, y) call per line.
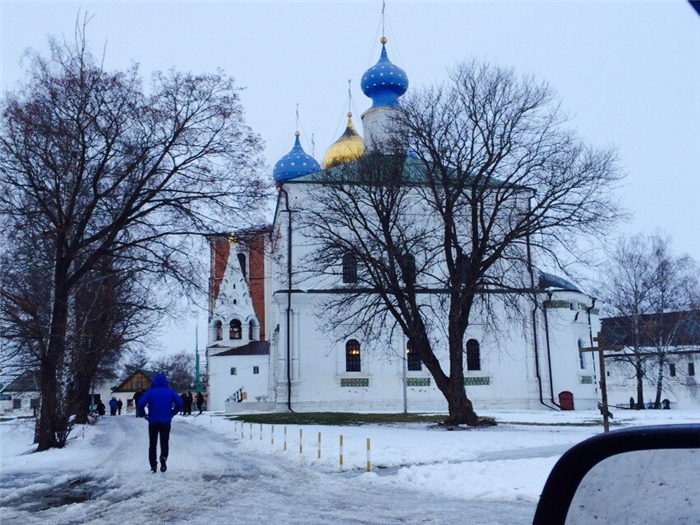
point(269, 350)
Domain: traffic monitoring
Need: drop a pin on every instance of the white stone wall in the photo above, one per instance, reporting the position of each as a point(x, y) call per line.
point(222, 384)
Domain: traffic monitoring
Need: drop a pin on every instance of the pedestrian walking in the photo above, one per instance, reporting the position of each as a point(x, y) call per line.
point(200, 401)
point(188, 403)
point(113, 406)
point(101, 408)
point(120, 404)
point(163, 403)
point(137, 396)
point(183, 396)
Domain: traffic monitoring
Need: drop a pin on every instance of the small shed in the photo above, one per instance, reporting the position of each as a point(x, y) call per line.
point(138, 380)
point(21, 396)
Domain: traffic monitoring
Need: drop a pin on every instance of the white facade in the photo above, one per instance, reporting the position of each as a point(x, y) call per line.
point(681, 386)
point(521, 366)
point(514, 372)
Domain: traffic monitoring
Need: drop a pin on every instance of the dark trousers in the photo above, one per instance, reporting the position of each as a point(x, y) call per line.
point(155, 430)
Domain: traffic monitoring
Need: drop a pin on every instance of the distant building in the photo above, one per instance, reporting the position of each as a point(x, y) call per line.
point(669, 345)
point(21, 396)
point(138, 380)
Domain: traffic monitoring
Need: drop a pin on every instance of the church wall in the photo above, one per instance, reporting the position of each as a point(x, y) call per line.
point(222, 384)
point(567, 319)
point(503, 381)
point(219, 253)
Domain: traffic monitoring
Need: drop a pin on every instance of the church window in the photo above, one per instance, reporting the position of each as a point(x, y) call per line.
point(233, 371)
point(413, 361)
point(235, 329)
point(672, 370)
point(251, 331)
point(219, 331)
point(241, 261)
point(349, 268)
point(352, 356)
point(691, 369)
point(256, 369)
point(473, 355)
point(581, 356)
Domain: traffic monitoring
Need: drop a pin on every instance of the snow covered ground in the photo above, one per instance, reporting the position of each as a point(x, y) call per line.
point(227, 472)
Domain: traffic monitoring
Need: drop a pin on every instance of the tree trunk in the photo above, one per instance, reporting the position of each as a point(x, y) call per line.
point(659, 382)
point(80, 397)
point(640, 385)
point(52, 418)
point(460, 407)
point(461, 410)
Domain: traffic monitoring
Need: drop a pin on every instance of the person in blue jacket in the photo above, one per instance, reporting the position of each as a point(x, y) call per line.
point(160, 400)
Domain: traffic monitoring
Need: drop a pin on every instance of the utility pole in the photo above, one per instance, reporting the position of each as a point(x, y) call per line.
point(603, 387)
point(197, 380)
point(405, 374)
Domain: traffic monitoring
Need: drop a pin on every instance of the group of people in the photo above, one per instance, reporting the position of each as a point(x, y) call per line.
point(187, 401)
point(115, 406)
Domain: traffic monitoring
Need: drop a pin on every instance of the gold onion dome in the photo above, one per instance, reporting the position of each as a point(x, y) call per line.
point(347, 148)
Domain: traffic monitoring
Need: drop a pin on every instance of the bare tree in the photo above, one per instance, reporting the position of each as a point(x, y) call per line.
point(444, 234)
point(651, 294)
point(179, 368)
point(112, 311)
point(97, 168)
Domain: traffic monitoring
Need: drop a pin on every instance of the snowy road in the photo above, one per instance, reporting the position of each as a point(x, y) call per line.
point(212, 479)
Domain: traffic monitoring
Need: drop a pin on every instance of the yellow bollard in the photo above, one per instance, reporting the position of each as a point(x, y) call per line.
point(319, 445)
point(242, 430)
point(285, 439)
point(301, 441)
point(251, 431)
point(341, 452)
point(272, 435)
point(369, 463)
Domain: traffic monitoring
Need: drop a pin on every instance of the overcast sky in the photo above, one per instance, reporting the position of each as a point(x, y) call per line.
point(627, 72)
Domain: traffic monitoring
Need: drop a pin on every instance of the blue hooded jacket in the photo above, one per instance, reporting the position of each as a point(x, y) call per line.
point(160, 399)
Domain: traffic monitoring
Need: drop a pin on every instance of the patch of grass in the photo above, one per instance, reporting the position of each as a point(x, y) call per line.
point(345, 418)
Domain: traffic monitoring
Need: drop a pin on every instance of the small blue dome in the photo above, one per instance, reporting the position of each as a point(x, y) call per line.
point(384, 82)
point(296, 163)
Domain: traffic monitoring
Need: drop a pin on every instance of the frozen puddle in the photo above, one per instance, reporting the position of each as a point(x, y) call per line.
point(77, 490)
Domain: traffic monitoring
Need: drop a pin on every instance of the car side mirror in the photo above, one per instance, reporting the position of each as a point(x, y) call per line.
point(638, 475)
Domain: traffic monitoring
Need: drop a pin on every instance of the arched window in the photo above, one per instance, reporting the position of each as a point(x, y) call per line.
point(218, 330)
point(581, 356)
point(352, 356)
point(349, 268)
point(252, 332)
point(241, 261)
point(413, 361)
point(473, 355)
point(235, 329)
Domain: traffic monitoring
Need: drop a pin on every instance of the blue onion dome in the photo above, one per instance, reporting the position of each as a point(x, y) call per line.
point(384, 82)
point(296, 163)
